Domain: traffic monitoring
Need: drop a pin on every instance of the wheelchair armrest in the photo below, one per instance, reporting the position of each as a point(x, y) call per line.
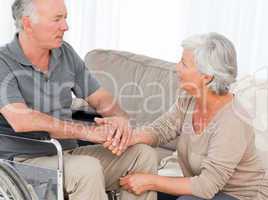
point(42, 137)
point(34, 135)
point(37, 136)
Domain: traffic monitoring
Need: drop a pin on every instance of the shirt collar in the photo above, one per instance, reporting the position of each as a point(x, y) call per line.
point(19, 56)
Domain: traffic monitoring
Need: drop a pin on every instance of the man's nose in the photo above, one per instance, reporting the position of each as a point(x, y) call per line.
point(64, 25)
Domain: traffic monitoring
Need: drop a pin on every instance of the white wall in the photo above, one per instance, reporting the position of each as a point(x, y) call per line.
point(156, 28)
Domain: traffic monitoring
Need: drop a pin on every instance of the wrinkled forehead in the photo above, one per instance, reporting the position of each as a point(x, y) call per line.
point(50, 7)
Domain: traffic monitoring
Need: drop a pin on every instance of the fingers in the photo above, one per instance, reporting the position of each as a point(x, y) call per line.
point(124, 182)
point(116, 137)
point(128, 184)
point(112, 133)
point(116, 141)
point(107, 144)
point(106, 121)
point(101, 121)
point(111, 144)
point(125, 136)
point(126, 142)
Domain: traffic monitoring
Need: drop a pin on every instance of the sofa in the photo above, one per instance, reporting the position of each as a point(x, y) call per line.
point(146, 87)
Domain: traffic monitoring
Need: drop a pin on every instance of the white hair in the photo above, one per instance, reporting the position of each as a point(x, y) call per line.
point(214, 55)
point(22, 8)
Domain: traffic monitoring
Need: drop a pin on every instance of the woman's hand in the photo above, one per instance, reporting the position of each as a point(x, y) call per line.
point(137, 183)
point(119, 141)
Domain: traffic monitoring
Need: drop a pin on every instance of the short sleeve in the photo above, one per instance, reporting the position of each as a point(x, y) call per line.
point(9, 89)
point(85, 83)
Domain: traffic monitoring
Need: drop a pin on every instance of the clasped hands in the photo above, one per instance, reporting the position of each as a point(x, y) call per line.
point(119, 136)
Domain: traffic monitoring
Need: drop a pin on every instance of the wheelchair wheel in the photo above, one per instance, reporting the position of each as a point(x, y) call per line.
point(12, 186)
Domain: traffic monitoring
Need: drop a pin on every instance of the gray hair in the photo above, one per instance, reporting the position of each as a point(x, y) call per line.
point(22, 8)
point(214, 55)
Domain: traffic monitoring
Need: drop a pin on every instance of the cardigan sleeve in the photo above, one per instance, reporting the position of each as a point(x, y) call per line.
point(167, 127)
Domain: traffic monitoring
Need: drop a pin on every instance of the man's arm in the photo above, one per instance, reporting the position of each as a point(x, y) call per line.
point(24, 119)
point(105, 104)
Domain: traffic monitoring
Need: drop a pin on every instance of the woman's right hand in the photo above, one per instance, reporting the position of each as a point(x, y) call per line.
point(130, 142)
point(137, 183)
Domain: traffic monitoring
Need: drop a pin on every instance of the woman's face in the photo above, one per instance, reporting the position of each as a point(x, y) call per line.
point(190, 79)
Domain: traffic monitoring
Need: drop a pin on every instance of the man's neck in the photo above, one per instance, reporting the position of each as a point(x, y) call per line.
point(37, 55)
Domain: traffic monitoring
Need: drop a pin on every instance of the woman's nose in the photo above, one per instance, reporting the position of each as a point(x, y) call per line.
point(178, 67)
point(178, 70)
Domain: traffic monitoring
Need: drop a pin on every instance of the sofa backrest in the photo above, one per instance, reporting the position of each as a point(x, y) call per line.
point(145, 87)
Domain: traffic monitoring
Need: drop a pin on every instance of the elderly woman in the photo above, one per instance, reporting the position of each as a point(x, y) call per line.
point(216, 149)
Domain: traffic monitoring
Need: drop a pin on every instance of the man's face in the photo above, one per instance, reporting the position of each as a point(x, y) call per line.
point(49, 29)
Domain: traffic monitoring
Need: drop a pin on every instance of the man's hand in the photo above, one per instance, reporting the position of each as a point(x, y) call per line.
point(99, 133)
point(137, 183)
point(119, 141)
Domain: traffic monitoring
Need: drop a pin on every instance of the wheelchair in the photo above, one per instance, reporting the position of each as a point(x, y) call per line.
point(19, 181)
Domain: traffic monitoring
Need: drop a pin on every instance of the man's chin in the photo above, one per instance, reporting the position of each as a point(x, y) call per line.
point(58, 44)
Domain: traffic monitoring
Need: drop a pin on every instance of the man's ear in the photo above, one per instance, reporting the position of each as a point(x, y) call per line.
point(26, 23)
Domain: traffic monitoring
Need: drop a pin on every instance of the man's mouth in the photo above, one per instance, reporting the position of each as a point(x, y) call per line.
point(59, 37)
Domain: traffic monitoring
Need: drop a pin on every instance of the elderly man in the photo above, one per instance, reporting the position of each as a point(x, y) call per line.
point(38, 72)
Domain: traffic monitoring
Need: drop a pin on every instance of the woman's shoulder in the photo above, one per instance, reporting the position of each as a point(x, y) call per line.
point(237, 112)
point(235, 116)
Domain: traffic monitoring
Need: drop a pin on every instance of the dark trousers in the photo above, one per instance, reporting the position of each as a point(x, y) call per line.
point(219, 196)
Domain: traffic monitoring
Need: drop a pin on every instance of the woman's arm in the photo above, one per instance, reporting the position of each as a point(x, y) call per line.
point(161, 131)
point(225, 150)
point(139, 183)
point(143, 137)
point(172, 185)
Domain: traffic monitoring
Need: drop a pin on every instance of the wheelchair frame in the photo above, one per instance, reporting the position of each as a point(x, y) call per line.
point(60, 167)
point(82, 114)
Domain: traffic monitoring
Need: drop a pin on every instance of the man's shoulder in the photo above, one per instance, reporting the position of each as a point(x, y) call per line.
point(68, 51)
point(66, 47)
point(4, 52)
point(6, 60)
point(5, 55)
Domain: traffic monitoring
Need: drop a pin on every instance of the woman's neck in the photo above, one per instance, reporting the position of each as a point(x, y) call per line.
point(209, 102)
